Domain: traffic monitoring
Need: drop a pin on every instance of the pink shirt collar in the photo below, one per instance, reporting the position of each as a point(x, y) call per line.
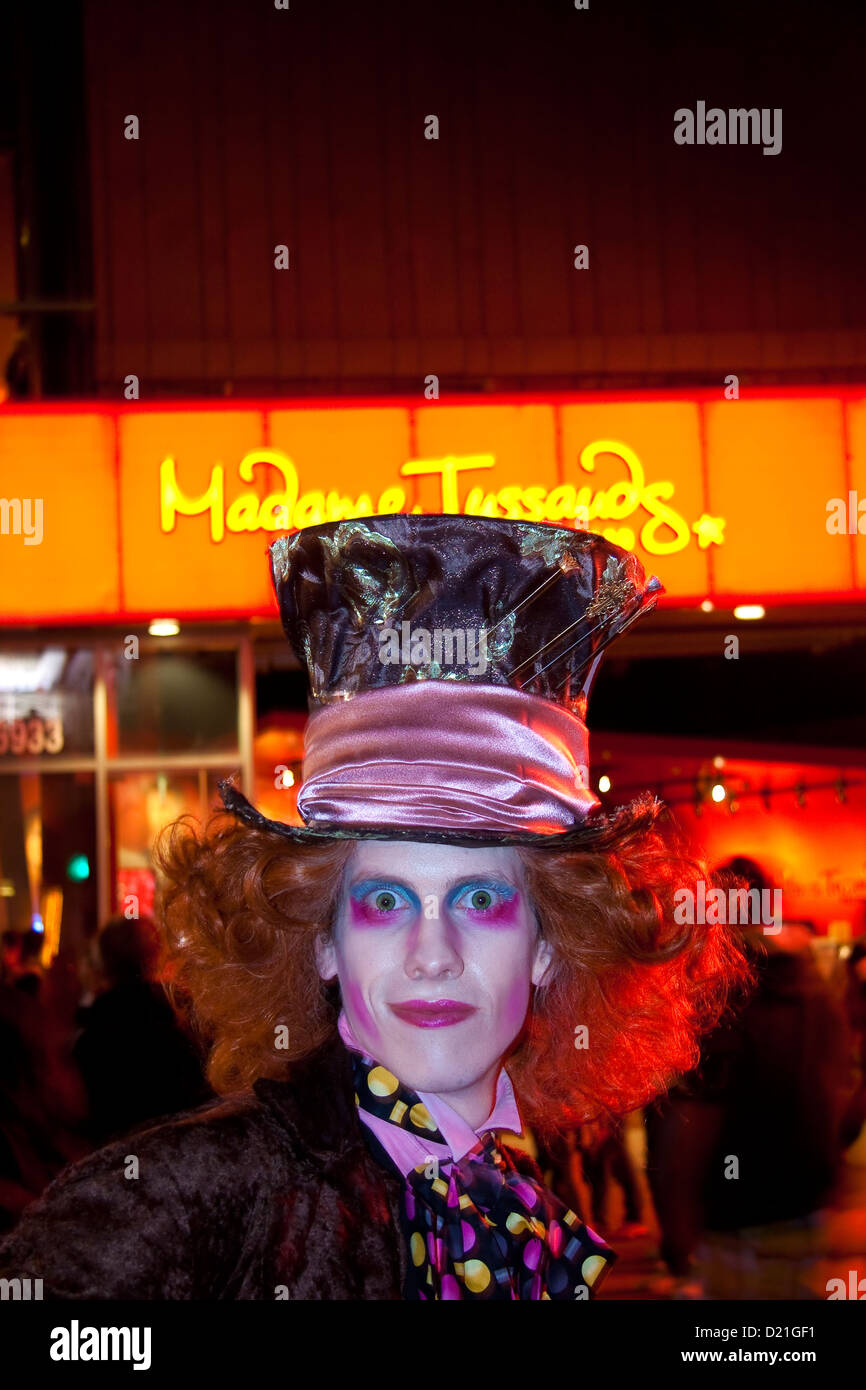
point(408, 1150)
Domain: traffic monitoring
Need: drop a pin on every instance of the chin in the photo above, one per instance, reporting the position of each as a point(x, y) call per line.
point(438, 1080)
point(422, 1069)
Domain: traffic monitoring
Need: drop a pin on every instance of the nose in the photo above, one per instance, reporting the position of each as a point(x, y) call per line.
point(431, 951)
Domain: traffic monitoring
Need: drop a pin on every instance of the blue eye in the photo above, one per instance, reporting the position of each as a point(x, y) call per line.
point(491, 901)
point(385, 901)
point(372, 900)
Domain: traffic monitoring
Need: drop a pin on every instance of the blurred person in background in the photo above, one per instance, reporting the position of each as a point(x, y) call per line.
point(745, 1153)
point(136, 1060)
point(578, 1165)
point(559, 1162)
point(604, 1155)
point(42, 1103)
point(854, 998)
point(21, 965)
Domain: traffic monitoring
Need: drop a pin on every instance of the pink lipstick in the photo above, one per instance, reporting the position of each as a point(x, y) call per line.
point(432, 1013)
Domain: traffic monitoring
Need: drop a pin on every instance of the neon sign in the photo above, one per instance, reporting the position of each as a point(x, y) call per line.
point(663, 531)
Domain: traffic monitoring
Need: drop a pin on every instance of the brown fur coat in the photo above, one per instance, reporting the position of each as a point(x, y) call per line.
point(270, 1195)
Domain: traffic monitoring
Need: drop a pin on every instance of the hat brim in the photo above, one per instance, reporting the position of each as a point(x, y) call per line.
point(601, 830)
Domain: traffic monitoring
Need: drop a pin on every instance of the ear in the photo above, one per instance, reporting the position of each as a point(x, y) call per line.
point(326, 958)
point(542, 961)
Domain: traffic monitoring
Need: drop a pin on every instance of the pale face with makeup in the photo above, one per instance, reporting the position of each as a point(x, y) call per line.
point(421, 924)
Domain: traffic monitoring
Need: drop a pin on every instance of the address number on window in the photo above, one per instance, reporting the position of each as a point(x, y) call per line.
point(18, 737)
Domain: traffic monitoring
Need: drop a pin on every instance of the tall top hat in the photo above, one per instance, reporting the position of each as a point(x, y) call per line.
point(450, 660)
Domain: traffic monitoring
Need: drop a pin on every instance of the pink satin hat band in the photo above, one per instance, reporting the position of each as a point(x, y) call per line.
point(445, 754)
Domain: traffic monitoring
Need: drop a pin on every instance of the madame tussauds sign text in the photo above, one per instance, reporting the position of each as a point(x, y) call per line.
point(657, 525)
point(711, 493)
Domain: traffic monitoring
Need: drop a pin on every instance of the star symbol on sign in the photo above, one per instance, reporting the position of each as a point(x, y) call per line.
point(708, 530)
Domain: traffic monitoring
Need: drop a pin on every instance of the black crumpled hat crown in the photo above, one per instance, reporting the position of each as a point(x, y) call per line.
point(550, 599)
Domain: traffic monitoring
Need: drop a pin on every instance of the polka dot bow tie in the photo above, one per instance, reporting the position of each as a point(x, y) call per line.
point(479, 1228)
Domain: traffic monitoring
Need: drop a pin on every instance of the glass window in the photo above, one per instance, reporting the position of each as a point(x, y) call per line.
point(281, 715)
point(48, 856)
point(173, 702)
point(140, 805)
point(46, 703)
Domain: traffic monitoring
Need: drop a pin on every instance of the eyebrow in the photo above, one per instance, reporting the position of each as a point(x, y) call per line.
point(365, 885)
point(383, 877)
point(457, 881)
point(487, 880)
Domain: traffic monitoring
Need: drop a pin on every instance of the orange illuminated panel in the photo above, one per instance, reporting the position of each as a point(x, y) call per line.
point(721, 499)
point(346, 462)
point(184, 459)
point(502, 459)
point(772, 466)
point(814, 853)
point(856, 506)
point(638, 469)
point(57, 484)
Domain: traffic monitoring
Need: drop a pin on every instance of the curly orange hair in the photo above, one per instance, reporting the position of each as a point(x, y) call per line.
point(615, 1022)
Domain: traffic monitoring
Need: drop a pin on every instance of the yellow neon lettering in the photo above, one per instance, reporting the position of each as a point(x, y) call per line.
point(392, 500)
point(338, 508)
point(508, 499)
point(623, 498)
point(593, 503)
point(243, 514)
point(447, 468)
point(623, 536)
point(310, 510)
point(172, 500)
point(287, 509)
point(480, 503)
point(276, 509)
point(660, 515)
point(533, 499)
point(561, 503)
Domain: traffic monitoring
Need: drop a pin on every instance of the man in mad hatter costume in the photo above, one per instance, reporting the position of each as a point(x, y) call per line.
point(456, 941)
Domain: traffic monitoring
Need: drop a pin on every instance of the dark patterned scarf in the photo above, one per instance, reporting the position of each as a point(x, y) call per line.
point(482, 1229)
